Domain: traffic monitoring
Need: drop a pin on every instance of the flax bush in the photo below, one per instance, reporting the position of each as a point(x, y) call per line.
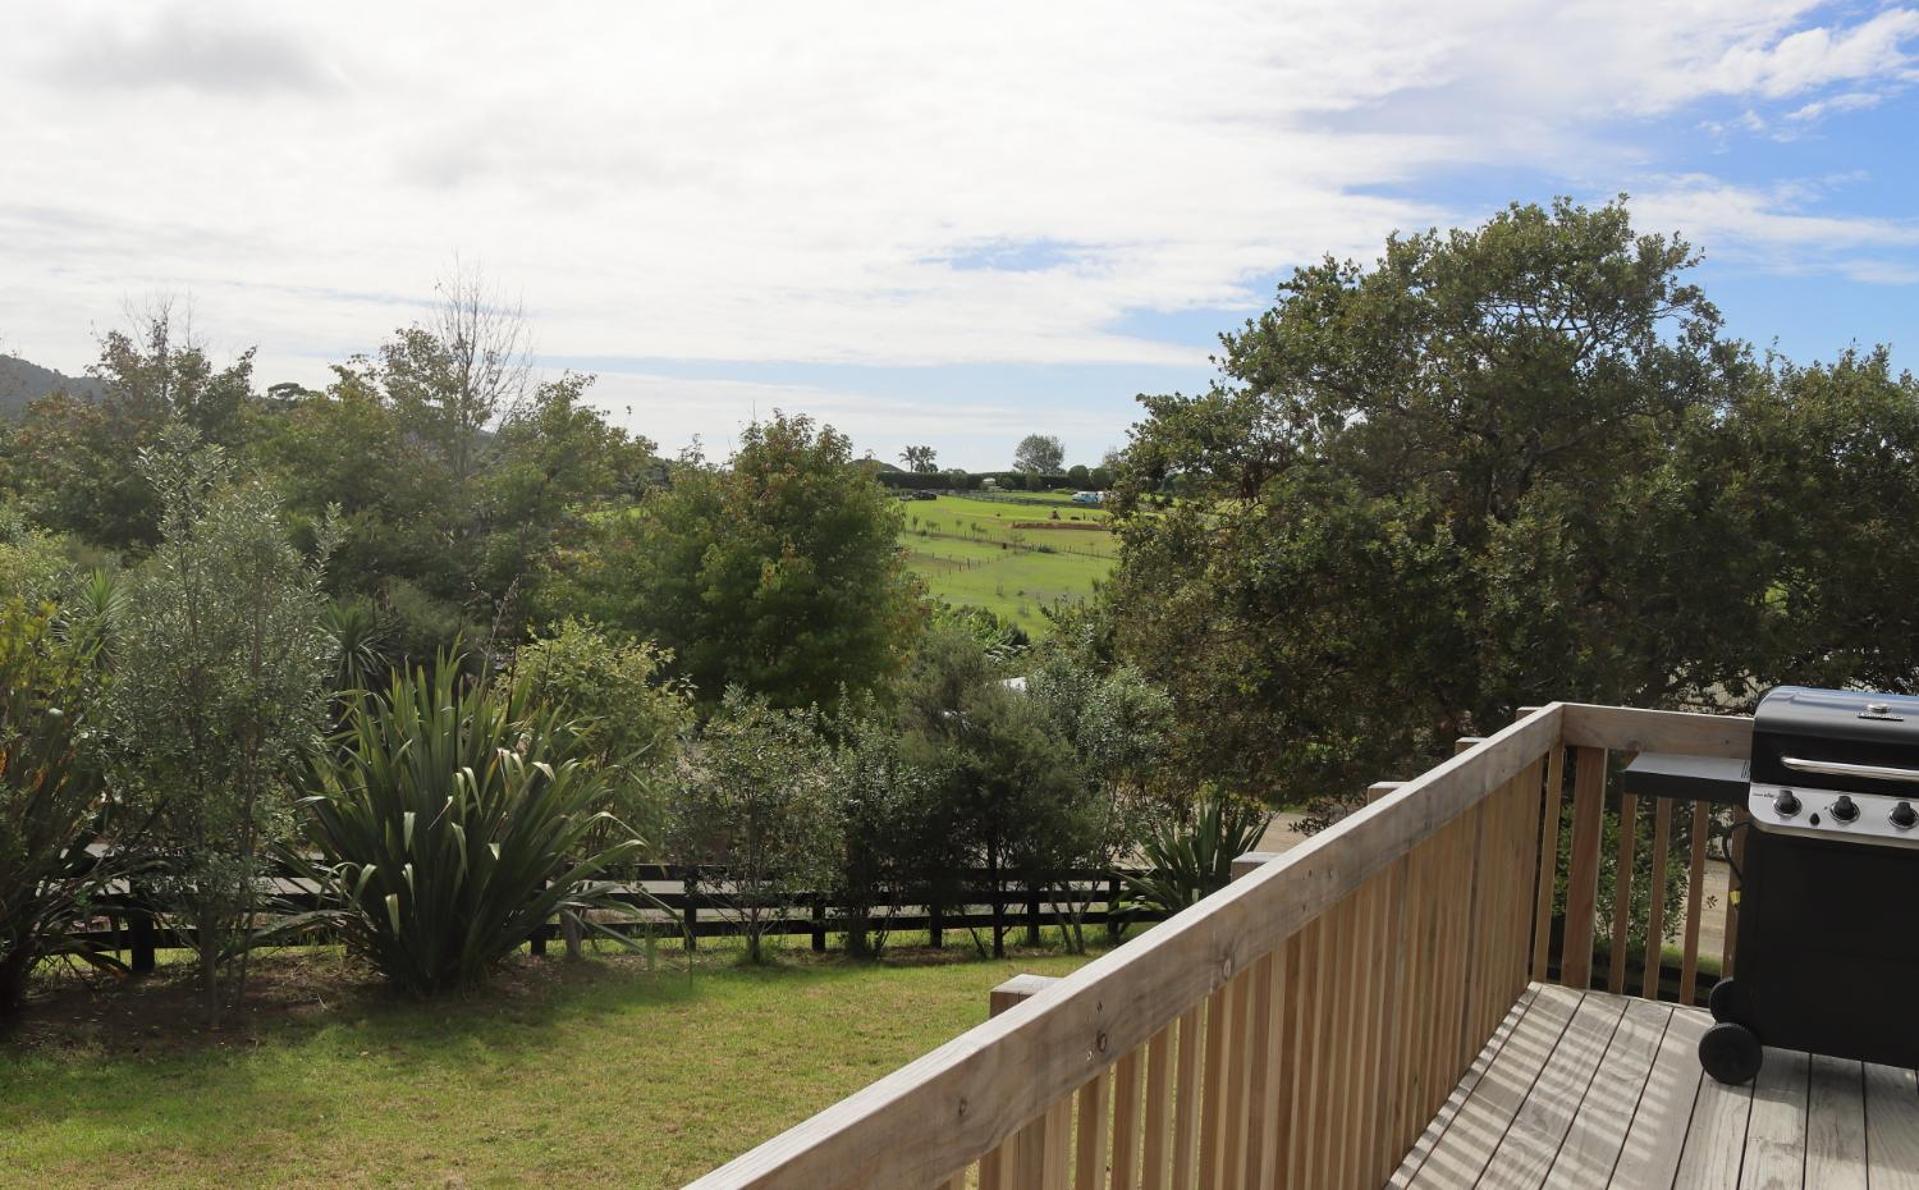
point(455, 817)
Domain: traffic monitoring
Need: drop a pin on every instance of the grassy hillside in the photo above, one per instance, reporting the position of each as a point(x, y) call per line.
point(1014, 555)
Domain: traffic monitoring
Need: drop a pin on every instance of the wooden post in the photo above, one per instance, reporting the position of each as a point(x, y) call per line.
point(575, 937)
point(1016, 990)
point(1114, 924)
point(1695, 893)
point(536, 942)
point(1032, 912)
point(689, 885)
point(1380, 789)
point(1656, 912)
point(1247, 864)
point(141, 940)
point(935, 925)
point(1467, 743)
point(1548, 876)
point(1034, 1156)
point(1622, 893)
point(819, 925)
point(1582, 885)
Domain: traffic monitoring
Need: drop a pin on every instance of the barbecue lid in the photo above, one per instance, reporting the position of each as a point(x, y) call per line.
point(1838, 714)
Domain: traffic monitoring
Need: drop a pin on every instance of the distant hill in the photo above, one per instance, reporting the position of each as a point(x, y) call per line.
point(22, 383)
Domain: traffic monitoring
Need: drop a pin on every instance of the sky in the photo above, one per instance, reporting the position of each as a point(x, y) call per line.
point(949, 224)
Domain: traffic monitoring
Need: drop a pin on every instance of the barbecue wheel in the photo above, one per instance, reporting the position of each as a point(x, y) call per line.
point(1730, 1053)
point(1727, 1002)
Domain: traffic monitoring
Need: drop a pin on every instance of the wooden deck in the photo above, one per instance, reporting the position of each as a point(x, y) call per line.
point(1592, 1090)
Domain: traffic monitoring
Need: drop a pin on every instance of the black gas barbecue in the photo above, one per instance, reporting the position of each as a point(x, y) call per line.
point(1829, 886)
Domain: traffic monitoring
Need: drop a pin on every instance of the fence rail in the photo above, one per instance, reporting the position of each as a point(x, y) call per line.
point(694, 903)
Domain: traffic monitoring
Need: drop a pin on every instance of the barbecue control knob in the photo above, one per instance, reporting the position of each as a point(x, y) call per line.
point(1845, 809)
point(1904, 816)
point(1787, 803)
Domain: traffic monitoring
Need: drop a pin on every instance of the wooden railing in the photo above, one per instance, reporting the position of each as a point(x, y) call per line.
point(1299, 1027)
point(1600, 739)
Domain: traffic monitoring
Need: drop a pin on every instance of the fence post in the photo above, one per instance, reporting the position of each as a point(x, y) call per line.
point(689, 886)
point(1114, 923)
point(140, 932)
point(1032, 911)
point(935, 923)
point(819, 925)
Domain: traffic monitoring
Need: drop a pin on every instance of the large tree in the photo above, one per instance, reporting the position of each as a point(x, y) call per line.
point(1039, 454)
point(1423, 492)
point(75, 461)
point(780, 572)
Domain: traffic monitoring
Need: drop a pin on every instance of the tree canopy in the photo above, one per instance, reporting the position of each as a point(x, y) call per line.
point(1039, 454)
point(780, 573)
point(1501, 466)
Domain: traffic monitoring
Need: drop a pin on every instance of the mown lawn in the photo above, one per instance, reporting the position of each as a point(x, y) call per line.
point(985, 553)
point(596, 1072)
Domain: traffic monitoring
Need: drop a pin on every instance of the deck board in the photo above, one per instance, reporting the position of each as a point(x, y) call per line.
point(1468, 1143)
point(1836, 1125)
point(1892, 1129)
point(1531, 1144)
point(1657, 1136)
point(1776, 1130)
point(1598, 1134)
point(1593, 1090)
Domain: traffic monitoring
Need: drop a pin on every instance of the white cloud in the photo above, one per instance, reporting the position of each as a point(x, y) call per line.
point(731, 181)
point(1768, 228)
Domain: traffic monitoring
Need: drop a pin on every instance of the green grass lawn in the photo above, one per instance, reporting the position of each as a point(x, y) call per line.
point(1010, 557)
point(595, 1072)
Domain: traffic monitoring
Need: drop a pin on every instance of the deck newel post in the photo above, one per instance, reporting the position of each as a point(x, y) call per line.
point(1033, 1155)
point(1582, 884)
point(1248, 863)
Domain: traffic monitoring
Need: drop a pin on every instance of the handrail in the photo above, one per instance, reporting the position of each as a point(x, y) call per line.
point(931, 1118)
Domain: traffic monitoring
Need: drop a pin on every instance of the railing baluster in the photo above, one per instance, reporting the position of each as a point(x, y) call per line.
point(1582, 884)
point(1186, 1101)
point(1622, 893)
point(1126, 1122)
point(1548, 878)
point(1695, 906)
point(1089, 1165)
point(1656, 911)
point(1159, 1081)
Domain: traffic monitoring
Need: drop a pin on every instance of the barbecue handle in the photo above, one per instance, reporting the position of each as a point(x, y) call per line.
point(1837, 768)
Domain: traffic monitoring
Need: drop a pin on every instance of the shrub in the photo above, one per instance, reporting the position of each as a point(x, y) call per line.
point(755, 798)
point(454, 819)
point(49, 803)
point(1186, 861)
point(628, 714)
point(220, 674)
